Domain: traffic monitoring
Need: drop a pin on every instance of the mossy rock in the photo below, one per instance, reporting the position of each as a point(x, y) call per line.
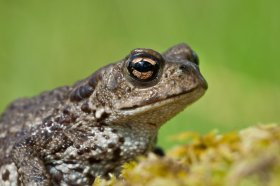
point(250, 157)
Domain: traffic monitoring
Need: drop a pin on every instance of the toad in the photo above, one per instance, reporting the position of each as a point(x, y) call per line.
point(71, 134)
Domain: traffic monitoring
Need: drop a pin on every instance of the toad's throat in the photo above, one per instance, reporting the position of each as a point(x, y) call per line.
point(158, 100)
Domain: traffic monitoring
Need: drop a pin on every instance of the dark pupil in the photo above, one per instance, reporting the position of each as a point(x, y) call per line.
point(143, 66)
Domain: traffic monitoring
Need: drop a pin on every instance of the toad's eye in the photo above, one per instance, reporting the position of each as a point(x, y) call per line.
point(195, 58)
point(144, 67)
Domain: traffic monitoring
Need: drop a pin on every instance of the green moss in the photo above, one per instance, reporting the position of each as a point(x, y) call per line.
point(244, 158)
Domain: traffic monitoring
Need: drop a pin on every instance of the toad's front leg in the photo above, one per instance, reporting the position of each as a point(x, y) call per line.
point(31, 169)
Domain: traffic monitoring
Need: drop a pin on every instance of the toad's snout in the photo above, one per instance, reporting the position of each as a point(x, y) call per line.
point(191, 68)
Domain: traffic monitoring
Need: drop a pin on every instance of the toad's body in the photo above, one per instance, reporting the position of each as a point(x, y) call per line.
point(72, 134)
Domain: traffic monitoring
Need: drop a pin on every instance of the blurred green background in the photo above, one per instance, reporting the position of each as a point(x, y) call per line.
point(45, 44)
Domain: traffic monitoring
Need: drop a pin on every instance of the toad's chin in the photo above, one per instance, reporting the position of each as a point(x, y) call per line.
point(159, 112)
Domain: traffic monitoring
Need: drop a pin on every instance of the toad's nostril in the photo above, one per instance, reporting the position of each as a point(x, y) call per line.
point(183, 67)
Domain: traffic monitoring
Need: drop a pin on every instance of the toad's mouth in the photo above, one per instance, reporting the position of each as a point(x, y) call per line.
point(187, 96)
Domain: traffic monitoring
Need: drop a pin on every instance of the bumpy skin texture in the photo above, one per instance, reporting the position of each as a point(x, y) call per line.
point(72, 134)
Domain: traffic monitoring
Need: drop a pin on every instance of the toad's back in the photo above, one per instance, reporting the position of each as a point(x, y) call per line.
point(72, 134)
point(19, 117)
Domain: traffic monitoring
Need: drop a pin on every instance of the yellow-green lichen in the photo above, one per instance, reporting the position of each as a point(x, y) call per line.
point(250, 157)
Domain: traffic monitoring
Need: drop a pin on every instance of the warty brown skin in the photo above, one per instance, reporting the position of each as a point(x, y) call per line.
point(70, 135)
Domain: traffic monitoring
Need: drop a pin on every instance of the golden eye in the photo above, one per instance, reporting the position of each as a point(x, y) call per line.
point(143, 66)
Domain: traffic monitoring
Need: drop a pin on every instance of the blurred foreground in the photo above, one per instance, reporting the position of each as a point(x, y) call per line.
point(249, 157)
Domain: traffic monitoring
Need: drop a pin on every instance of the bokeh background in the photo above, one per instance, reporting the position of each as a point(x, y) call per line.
point(45, 44)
